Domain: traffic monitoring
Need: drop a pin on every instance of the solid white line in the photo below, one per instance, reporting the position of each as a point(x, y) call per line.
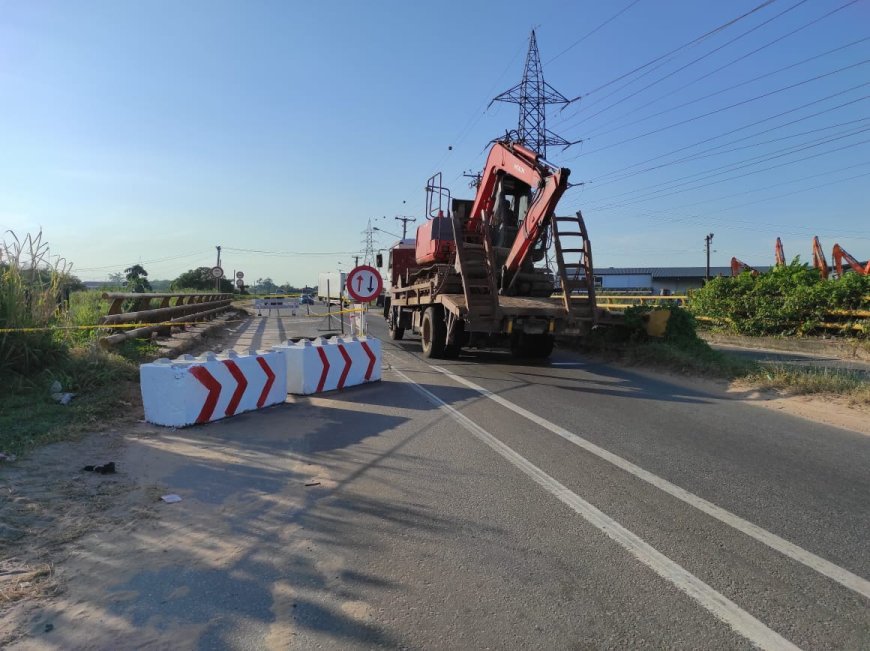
point(840, 575)
point(716, 603)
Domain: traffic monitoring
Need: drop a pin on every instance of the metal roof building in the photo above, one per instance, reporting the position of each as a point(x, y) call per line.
point(655, 279)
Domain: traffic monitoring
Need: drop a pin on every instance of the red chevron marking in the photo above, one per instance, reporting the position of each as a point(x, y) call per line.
point(372, 359)
point(325, 363)
point(241, 385)
point(347, 365)
point(270, 380)
point(207, 380)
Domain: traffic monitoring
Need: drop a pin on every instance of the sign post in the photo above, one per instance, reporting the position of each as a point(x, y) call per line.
point(364, 284)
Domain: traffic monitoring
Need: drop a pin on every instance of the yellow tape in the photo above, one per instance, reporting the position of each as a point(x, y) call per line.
point(114, 326)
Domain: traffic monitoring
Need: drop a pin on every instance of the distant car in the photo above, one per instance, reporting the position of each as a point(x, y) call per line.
point(306, 300)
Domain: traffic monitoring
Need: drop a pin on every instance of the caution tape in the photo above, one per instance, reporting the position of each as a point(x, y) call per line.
point(162, 324)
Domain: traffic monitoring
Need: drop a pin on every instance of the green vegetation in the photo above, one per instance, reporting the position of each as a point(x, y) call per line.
point(199, 279)
point(788, 300)
point(37, 349)
point(681, 350)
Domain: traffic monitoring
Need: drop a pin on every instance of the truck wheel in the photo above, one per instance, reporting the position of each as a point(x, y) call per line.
point(433, 332)
point(396, 333)
point(460, 338)
point(543, 346)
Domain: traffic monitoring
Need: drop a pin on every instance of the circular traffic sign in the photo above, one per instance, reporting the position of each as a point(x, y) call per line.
point(240, 274)
point(240, 283)
point(217, 272)
point(364, 283)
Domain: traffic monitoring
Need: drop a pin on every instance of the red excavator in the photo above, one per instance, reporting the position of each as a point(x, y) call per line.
point(819, 260)
point(839, 254)
point(779, 253)
point(738, 267)
point(480, 273)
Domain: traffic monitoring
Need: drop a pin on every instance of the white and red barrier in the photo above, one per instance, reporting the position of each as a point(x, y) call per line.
point(191, 390)
point(329, 364)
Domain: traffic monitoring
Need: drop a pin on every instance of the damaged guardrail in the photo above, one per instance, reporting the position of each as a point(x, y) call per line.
point(180, 309)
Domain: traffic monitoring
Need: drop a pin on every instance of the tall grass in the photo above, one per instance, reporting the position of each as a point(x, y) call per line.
point(30, 294)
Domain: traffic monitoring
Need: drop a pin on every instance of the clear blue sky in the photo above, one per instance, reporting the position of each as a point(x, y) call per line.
point(152, 131)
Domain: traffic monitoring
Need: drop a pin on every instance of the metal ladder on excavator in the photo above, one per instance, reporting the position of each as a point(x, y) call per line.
point(575, 276)
point(474, 264)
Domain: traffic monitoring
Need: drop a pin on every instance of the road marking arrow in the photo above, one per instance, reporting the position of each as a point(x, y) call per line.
point(241, 385)
point(214, 391)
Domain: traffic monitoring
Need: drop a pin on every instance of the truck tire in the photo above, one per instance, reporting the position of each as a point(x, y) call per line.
point(525, 346)
point(460, 338)
point(433, 332)
point(396, 333)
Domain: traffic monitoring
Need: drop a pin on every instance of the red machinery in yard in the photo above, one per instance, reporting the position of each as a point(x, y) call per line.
point(738, 267)
point(474, 278)
point(839, 254)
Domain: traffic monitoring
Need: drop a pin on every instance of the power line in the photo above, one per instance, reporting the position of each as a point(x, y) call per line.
point(752, 124)
point(682, 47)
point(289, 253)
point(724, 90)
point(144, 262)
point(650, 196)
point(711, 151)
point(593, 31)
point(727, 108)
point(694, 61)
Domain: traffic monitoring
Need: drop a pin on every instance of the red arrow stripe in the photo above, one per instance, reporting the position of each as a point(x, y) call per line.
point(270, 380)
point(241, 385)
point(325, 363)
point(347, 363)
point(214, 391)
point(372, 359)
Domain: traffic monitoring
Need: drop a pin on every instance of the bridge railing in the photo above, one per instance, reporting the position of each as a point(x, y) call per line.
point(158, 313)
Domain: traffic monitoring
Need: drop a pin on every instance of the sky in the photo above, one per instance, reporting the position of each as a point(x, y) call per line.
point(152, 132)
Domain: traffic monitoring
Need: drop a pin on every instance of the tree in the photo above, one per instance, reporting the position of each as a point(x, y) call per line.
point(137, 279)
point(201, 280)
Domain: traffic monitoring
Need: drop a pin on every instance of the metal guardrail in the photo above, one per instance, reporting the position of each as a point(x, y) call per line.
point(186, 308)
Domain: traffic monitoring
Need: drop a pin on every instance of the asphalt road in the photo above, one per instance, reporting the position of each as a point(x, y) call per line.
point(486, 504)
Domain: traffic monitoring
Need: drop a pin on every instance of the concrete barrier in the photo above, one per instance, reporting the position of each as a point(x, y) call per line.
point(191, 390)
point(278, 304)
point(318, 365)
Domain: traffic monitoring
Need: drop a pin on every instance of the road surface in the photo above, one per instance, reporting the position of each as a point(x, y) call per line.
point(483, 503)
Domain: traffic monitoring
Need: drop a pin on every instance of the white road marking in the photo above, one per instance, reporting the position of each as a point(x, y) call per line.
point(842, 576)
point(716, 603)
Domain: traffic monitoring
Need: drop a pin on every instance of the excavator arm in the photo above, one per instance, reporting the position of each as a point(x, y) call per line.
point(548, 182)
point(779, 253)
point(819, 260)
point(839, 254)
point(738, 267)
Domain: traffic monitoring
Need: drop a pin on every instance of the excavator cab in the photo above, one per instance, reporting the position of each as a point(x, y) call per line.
point(435, 241)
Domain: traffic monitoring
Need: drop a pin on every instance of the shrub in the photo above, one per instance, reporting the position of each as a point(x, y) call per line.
point(788, 300)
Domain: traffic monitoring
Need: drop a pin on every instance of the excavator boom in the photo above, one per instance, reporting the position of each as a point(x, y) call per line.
point(819, 260)
point(839, 254)
point(548, 182)
point(779, 253)
point(738, 267)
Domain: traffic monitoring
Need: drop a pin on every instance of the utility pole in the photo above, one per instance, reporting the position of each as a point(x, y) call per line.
point(356, 261)
point(369, 243)
point(405, 221)
point(217, 281)
point(708, 240)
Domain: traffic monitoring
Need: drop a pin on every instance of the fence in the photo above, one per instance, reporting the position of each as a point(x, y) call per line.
point(187, 308)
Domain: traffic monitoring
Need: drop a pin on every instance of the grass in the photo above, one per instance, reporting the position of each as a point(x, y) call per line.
point(851, 385)
point(682, 351)
point(107, 390)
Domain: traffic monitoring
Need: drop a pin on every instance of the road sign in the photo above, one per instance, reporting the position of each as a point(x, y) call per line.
point(240, 274)
point(240, 283)
point(217, 272)
point(364, 283)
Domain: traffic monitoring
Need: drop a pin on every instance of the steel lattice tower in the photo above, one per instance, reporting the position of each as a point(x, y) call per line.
point(533, 94)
